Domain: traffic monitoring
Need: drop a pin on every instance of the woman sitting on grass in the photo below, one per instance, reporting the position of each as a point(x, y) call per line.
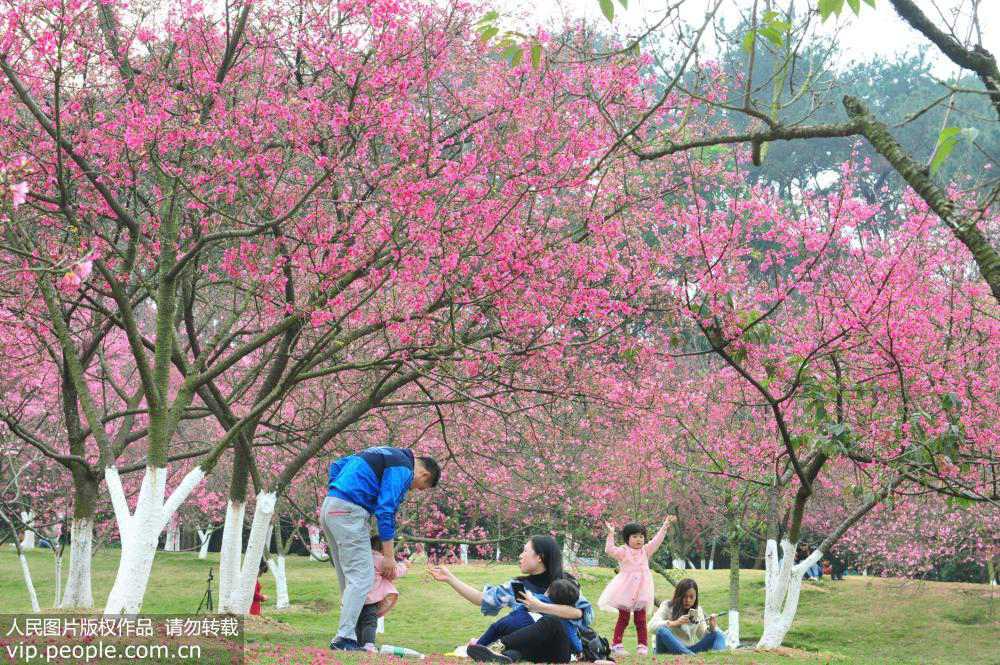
point(541, 564)
point(544, 641)
point(681, 626)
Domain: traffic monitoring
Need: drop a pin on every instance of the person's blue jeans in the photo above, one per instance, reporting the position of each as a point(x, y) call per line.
point(667, 642)
point(815, 571)
point(516, 620)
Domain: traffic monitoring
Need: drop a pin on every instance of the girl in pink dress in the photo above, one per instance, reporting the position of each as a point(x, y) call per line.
point(631, 590)
point(379, 601)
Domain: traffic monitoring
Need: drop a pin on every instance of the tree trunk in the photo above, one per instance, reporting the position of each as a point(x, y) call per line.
point(58, 567)
point(28, 518)
point(733, 634)
point(711, 555)
point(241, 594)
point(78, 592)
point(232, 547)
point(758, 559)
point(139, 532)
point(782, 585)
point(277, 568)
point(173, 540)
point(315, 547)
point(26, 572)
point(204, 538)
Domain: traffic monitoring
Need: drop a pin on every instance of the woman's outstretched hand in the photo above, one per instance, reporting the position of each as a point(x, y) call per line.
point(668, 520)
point(440, 573)
point(611, 527)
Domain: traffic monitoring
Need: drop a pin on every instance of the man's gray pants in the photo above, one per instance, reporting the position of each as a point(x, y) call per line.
point(346, 527)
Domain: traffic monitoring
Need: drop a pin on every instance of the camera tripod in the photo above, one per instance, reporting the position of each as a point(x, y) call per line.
point(206, 600)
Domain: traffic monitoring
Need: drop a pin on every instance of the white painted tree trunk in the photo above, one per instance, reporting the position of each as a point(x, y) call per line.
point(173, 541)
point(711, 564)
point(232, 546)
point(140, 530)
point(571, 552)
point(277, 568)
point(58, 565)
point(677, 563)
point(782, 585)
point(315, 546)
point(241, 595)
point(29, 584)
point(464, 550)
point(204, 537)
point(78, 593)
point(733, 632)
point(702, 563)
point(28, 542)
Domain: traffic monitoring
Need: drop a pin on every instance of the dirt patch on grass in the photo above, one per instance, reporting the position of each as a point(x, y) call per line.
point(317, 605)
point(813, 587)
point(791, 652)
point(263, 624)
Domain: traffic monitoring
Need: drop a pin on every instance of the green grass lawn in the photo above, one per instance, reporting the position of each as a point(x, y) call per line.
point(858, 620)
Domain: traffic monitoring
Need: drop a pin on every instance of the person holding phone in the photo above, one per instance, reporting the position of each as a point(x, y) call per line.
point(681, 626)
point(544, 641)
point(541, 564)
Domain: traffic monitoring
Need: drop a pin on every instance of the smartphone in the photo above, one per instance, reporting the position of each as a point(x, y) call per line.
point(518, 588)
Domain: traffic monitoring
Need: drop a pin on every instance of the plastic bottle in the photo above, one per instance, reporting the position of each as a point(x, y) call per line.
point(402, 652)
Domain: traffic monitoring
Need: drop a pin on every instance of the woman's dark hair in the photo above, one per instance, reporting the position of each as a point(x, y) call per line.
point(263, 566)
point(376, 543)
point(548, 551)
point(631, 529)
point(563, 592)
point(677, 603)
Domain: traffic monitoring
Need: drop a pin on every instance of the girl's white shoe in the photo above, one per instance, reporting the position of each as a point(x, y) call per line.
point(618, 650)
point(642, 650)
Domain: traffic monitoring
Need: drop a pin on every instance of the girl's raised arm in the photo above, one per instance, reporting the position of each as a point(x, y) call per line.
point(657, 540)
point(612, 550)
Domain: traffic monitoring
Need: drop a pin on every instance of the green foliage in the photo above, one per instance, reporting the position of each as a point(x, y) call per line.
point(946, 142)
point(608, 9)
point(828, 8)
point(511, 43)
point(902, 90)
point(774, 28)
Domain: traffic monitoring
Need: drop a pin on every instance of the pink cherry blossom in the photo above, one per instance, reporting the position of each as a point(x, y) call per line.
point(20, 194)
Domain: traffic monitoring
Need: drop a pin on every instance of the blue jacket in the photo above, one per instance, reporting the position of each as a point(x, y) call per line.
point(376, 479)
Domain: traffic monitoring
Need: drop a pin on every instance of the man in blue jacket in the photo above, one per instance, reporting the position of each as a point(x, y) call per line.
point(373, 482)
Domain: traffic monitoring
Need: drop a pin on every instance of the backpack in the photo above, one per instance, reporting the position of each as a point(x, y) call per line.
point(595, 647)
